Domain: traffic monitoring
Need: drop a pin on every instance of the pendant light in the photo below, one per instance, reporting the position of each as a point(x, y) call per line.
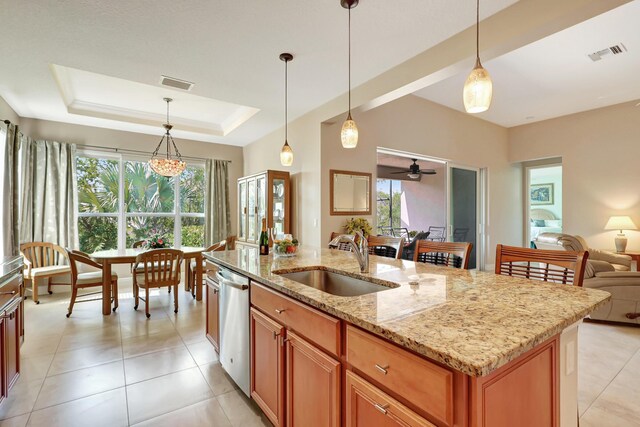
point(286, 154)
point(349, 133)
point(168, 165)
point(478, 88)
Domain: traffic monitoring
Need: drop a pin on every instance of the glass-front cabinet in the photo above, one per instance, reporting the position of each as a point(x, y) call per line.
point(264, 195)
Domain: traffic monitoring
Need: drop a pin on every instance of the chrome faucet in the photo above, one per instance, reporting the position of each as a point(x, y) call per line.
point(361, 250)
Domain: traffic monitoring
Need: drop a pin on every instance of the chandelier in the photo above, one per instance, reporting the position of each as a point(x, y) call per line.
point(167, 165)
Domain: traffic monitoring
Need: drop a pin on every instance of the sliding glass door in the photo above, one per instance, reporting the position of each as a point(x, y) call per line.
point(464, 198)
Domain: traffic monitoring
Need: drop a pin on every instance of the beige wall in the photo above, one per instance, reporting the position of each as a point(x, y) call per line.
point(7, 113)
point(88, 135)
point(600, 151)
point(415, 125)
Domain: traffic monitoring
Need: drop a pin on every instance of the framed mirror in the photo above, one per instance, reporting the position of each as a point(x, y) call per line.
point(350, 193)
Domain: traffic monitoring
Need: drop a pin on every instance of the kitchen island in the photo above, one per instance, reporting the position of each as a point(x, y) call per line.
point(455, 347)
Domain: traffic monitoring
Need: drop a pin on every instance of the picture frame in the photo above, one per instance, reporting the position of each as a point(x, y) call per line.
point(541, 194)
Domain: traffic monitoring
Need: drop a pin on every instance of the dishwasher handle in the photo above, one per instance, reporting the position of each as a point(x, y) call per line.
point(230, 283)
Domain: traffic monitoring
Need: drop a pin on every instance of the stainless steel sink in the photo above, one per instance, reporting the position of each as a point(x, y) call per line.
point(334, 283)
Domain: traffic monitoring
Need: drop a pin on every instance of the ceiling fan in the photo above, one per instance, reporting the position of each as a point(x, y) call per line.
point(414, 171)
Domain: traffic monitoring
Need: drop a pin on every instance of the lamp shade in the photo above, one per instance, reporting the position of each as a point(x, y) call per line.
point(478, 90)
point(286, 155)
point(620, 223)
point(349, 133)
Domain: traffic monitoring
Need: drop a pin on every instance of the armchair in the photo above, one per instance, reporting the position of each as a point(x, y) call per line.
point(43, 260)
point(606, 271)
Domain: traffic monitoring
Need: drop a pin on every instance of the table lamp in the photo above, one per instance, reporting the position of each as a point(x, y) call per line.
point(620, 223)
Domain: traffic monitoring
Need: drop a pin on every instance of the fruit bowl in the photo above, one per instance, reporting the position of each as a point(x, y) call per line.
point(287, 247)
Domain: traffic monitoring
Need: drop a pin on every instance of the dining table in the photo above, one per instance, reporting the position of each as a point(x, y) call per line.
point(112, 257)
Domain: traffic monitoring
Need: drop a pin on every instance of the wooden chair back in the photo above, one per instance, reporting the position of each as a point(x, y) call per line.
point(448, 254)
point(78, 257)
point(42, 254)
point(231, 243)
point(160, 267)
point(566, 267)
point(386, 246)
point(137, 244)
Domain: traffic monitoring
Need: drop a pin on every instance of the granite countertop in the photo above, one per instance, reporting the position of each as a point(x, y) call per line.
point(9, 266)
point(471, 321)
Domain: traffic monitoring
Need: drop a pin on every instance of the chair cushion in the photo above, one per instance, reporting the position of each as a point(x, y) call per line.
point(49, 270)
point(93, 277)
point(140, 280)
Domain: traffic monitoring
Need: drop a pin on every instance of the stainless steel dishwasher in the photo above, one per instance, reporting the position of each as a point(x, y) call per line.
point(234, 327)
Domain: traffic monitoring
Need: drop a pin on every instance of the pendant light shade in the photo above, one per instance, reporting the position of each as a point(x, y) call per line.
point(286, 154)
point(478, 89)
point(167, 165)
point(349, 133)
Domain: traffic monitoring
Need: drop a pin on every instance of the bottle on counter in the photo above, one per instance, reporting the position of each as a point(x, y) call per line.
point(264, 238)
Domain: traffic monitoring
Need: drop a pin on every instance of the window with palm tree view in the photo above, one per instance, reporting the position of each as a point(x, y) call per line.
point(122, 201)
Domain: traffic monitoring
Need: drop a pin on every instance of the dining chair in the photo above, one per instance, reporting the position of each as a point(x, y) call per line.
point(43, 260)
point(565, 267)
point(437, 234)
point(158, 268)
point(88, 279)
point(448, 254)
point(226, 244)
point(386, 246)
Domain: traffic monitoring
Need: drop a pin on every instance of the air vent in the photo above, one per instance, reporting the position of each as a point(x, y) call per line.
point(613, 50)
point(176, 83)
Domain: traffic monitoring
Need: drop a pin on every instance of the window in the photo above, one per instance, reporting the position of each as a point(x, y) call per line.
point(122, 201)
point(389, 203)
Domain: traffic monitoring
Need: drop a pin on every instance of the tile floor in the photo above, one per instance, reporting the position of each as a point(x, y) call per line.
point(123, 369)
point(126, 370)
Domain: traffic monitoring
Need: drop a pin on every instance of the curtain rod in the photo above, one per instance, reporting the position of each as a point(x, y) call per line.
point(125, 150)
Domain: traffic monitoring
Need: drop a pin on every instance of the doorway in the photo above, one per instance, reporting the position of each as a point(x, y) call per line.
point(543, 200)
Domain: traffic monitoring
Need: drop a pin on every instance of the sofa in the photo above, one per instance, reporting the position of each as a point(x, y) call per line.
point(604, 270)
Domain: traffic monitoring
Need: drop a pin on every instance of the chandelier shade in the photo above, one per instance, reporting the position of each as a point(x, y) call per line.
point(478, 89)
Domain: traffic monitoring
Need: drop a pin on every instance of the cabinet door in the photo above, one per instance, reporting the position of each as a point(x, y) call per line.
point(280, 204)
point(313, 386)
point(252, 210)
point(261, 201)
point(267, 366)
point(12, 342)
point(213, 321)
point(369, 406)
point(242, 210)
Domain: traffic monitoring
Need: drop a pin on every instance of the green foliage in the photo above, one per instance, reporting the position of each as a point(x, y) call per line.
point(360, 224)
point(144, 192)
point(382, 212)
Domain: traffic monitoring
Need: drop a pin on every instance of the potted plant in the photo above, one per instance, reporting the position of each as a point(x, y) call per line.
point(358, 224)
point(156, 241)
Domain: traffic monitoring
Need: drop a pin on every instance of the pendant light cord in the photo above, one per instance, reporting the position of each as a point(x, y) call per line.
point(286, 100)
point(478, 30)
point(349, 61)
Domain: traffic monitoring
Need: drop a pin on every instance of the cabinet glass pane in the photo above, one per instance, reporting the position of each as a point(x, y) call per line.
point(262, 201)
point(242, 223)
point(279, 208)
point(251, 210)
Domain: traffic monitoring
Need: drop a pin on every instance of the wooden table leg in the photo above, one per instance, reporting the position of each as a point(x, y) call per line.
point(198, 283)
point(187, 279)
point(106, 288)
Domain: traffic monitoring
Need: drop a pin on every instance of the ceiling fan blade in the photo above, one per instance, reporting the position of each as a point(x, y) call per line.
point(398, 172)
point(428, 172)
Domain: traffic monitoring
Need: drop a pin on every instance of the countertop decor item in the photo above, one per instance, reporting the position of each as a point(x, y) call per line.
point(286, 154)
point(349, 133)
point(168, 165)
point(620, 223)
point(287, 247)
point(478, 89)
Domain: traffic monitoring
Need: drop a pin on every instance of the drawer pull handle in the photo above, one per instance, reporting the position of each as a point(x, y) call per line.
point(381, 408)
point(8, 293)
point(276, 335)
point(280, 310)
point(382, 369)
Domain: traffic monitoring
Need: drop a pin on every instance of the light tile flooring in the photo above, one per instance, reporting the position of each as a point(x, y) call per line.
point(123, 369)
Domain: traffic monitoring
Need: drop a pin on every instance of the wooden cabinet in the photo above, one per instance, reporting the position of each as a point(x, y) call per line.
point(264, 195)
point(313, 385)
point(213, 320)
point(267, 366)
point(368, 406)
point(11, 332)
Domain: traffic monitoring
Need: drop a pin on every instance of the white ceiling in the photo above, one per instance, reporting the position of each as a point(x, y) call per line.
point(228, 48)
point(554, 76)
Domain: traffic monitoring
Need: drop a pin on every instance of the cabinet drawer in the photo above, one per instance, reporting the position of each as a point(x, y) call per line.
point(9, 290)
point(422, 383)
point(312, 324)
point(367, 406)
point(210, 270)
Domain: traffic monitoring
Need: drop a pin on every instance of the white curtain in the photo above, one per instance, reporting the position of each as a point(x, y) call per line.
point(9, 215)
point(217, 211)
point(49, 194)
